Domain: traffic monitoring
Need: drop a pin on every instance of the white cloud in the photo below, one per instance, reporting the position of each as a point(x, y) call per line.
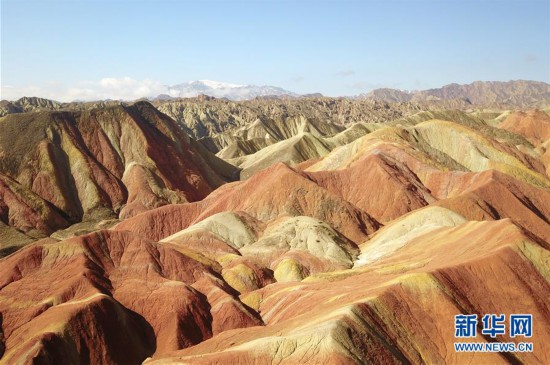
point(124, 88)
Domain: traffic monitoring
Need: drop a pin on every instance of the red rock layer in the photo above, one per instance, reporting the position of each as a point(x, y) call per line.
point(493, 195)
point(276, 191)
point(111, 297)
point(25, 210)
point(390, 189)
point(118, 160)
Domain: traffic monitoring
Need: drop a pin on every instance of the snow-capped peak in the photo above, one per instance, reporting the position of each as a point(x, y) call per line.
point(220, 89)
point(215, 84)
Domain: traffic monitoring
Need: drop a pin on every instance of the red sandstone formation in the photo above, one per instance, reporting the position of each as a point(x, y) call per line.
point(362, 256)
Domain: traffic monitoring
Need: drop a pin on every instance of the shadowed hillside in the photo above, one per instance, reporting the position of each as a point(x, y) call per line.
point(60, 168)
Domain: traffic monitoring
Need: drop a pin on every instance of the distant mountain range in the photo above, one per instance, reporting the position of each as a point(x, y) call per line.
point(518, 93)
point(495, 94)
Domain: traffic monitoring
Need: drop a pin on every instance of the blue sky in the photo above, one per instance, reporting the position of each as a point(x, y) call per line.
point(67, 49)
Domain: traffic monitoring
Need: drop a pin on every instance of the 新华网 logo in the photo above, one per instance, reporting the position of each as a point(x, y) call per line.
point(493, 325)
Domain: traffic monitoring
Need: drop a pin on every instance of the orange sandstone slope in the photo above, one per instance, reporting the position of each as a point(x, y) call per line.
point(535, 126)
point(363, 256)
point(59, 168)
